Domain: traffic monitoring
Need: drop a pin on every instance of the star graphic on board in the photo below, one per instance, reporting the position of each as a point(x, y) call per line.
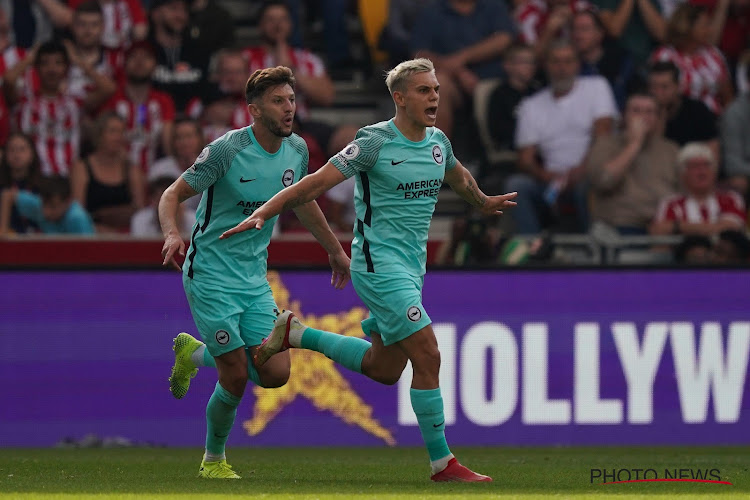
point(314, 376)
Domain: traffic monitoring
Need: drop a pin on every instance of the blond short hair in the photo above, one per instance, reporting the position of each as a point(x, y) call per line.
point(397, 77)
point(694, 150)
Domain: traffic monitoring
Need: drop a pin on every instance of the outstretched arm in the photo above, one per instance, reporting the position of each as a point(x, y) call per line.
point(464, 184)
point(306, 190)
point(313, 219)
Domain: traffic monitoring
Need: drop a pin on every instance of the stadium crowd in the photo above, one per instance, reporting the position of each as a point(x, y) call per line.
point(632, 114)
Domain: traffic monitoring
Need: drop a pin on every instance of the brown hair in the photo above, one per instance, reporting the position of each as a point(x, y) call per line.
point(263, 79)
point(681, 23)
point(35, 169)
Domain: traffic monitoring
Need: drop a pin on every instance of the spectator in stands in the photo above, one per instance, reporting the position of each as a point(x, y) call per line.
point(602, 56)
point(145, 222)
point(147, 112)
point(555, 128)
point(19, 169)
point(630, 172)
point(682, 118)
point(335, 31)
point(340, 206)
point(105, 182)
point(735, 134)
point(395, 38)
point(636, 24)
point(187, 143)
point(182, 64)
point(53, 210)
point(703, 209)
point(732, 247)
point(50, 115)
point(11, 54)
point(124, 22)
point(694, 250)
point(211, 25)
point(87, 28)
point(474, 241)
point(34, 22)
point(4, 120)
point(542, 21)
point(464, 39)
point(730, 27)
point(519, 63)
point(704, 72)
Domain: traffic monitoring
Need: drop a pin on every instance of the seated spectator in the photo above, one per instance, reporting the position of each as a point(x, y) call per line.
point(479, 31)
point(124, 22)
point(19, 169)
point(181, 64)
point(637, 25)
point(187, 143)
point(682, 118)
point(145, 222)
point(732, 248)
point(148, 113)
point(211, 25)
point(704, 72)
point(694, 250)
point(105, 182)
point(602, 56)
point(396, 35)
point(520, 67)
point(50, 115)
point(702, 209)
point(632, 171)
point(340, 206)
point(735, 131)
point(53, 210)
point(555, 128)
point(542, 21)
point(87, 28)
point(474, 241)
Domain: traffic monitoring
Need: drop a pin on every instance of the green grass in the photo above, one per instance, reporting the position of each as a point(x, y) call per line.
point(394, 473)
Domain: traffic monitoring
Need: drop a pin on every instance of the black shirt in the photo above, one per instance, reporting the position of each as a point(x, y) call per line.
point(503, 110)
point(692, 122)
point(181, 72)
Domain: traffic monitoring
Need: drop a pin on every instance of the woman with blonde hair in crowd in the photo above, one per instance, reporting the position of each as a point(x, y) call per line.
point(105, 182)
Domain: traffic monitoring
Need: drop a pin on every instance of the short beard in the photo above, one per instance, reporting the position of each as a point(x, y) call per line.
point(274, 128)
point(139, 80)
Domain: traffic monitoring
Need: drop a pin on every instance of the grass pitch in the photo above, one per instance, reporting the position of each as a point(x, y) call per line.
point(344, 473)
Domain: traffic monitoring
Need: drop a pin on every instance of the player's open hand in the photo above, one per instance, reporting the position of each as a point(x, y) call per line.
point(340, 265)
point(173, 244)
point(252, 222)
point(496, 204)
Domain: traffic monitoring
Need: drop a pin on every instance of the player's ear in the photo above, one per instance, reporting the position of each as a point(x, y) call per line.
point(399, 98)
point(254, 110)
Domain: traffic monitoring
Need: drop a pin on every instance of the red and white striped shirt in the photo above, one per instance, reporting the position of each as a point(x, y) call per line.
point(110, 64)
point(11, 56)
point(701, 73)
point(305, 62)
point(531, 17)
point(120, 16)
point(720, 205)
point(54, 125)
point(144, 122)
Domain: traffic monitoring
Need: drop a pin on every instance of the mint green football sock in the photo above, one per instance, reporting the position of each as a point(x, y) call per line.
point(347, 351)
point(220, 413)
point(428, 407)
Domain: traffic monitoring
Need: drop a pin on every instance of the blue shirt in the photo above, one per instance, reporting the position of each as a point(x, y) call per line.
point(75, 221)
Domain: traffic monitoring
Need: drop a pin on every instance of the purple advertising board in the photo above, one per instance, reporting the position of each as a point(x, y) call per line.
point(528, 358)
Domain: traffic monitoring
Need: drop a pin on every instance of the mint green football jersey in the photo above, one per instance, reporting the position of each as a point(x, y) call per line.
point(238, 176)
point(397, 185)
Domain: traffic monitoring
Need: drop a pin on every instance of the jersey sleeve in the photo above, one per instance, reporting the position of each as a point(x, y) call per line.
point(450, 159)
point(211, 165)
point(299, 145)
point(360, 155)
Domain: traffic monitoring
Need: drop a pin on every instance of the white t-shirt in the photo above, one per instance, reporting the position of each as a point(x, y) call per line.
point(561, 128)
point(343, 193)
point(145, 224)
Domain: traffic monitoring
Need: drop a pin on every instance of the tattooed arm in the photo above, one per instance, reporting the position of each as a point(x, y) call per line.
point(466, 186)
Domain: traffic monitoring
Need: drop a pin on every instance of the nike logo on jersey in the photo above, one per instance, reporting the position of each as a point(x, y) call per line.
point(246, 180)
point(397, 162)
point(438, 425)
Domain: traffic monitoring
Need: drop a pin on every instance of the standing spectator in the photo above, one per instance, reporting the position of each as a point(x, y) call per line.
point(105, 182)
point(396, 35)
point(187, 142)
point(704, 72)
point(730, 26)
point(182, 64)
point(735, 131)
point(555, 127)
point(542, 21)
point(683, 119)
point(211, 25)
point(11, 54)
point(50, 115)
point(124, 22)
point(148, 113)
point(464, 39)
point(636, 24)
point(631, 171)
point(145, 222)
point(703, 209)
point(601, 56)
point(34, 22)
point(19, 169)
point(87, 29)
point(53, 210)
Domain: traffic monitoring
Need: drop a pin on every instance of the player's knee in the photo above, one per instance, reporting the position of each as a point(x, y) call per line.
point(277, 378)
point(428, 361)
point(234, 379)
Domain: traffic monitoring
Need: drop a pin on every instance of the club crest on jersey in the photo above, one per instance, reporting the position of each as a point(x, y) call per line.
point(351, 151)
point(222, 337)
point(204, 155)
point(288, 178)
point(414, 314)
point(437, 154)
